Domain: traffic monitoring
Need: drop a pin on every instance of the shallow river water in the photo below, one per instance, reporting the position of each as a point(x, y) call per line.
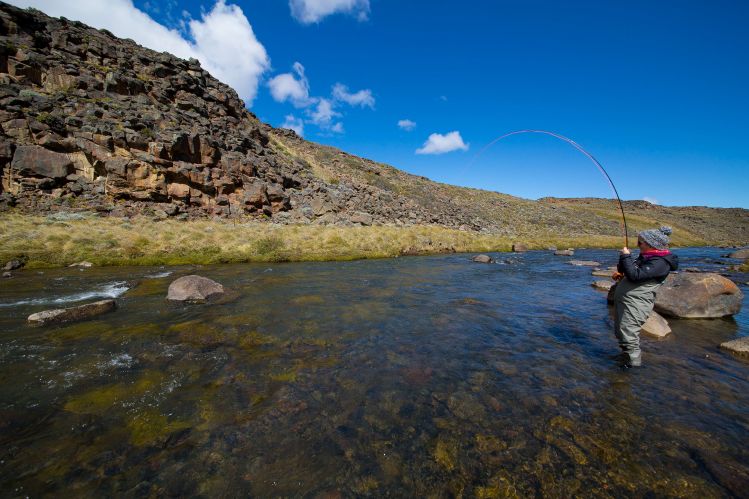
point(418, 376)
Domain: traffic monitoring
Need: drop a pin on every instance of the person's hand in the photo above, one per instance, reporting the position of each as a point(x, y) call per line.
point(624, 251)
point(617, 276)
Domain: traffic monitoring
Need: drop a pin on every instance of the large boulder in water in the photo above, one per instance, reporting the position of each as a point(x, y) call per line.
point(698, 296)
point(73, 313)
point(656, 326)
point(193, 288)
point(567, 252)
point(519, 247)
point(740, 254)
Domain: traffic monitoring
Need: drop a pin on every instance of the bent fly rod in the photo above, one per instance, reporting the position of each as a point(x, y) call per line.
point(579, 148)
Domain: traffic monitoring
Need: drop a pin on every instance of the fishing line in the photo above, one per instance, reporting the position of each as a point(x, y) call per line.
point(579, 148)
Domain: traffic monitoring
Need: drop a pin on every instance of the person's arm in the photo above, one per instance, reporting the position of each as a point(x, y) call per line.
point(651, 269)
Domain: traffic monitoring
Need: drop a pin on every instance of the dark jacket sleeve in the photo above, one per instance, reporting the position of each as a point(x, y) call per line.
point(655, 268)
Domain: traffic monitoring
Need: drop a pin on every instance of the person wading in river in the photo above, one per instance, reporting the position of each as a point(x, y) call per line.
point(634, 296)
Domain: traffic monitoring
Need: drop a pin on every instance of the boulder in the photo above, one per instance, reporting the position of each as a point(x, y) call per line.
point(552, 248)
point(38, 161)
point(604, 285)
point(7, 275)
point(566, 252)
point(13, 265)
point(83, 265)
point(698, 296)
point(193, 288)
point(739, 346)
point(740, 254)
point(73, 313)
point(519, 248)
point(584, 263)
point(656, 326)
point(483, 259)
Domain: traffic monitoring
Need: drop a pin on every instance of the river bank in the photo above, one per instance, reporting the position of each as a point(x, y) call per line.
point(65, 238)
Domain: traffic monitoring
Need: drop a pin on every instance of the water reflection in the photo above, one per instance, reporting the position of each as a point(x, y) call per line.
point(425, 376)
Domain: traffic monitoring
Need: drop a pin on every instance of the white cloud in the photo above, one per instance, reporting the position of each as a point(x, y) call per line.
point(324, 113)
point(406, 125)
point(650, 200)
point(440, 144)
point(314, 11)
point(361, 98)
point(286, 87)
point(224, 41)
point(294, 123)
point(337, 128)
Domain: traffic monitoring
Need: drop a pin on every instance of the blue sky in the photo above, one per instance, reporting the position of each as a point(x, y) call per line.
point(657, 91)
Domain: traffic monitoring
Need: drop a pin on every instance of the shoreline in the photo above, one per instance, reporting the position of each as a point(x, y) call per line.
point(63, 239)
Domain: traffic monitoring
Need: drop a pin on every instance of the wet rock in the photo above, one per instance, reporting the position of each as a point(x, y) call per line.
point(604, 285)
point(698, 296)
point(739, 346)
point(519, 247)
point(740, 254)
point(584, 263)
point(71, 314)
point(83, 264)
point(656, 326)
point(7, 275)
point(13, 265)
point(604, 272)
point(482, 259)
point(193, 288)
point(567, 252)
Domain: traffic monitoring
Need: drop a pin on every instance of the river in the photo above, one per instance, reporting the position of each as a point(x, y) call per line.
point(416, 376)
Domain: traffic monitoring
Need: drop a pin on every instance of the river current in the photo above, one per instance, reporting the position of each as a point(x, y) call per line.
point(416, 376)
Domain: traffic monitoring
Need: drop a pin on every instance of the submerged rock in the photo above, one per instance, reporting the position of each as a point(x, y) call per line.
point(73, 313)
point(698, 296)
point(656, 326)
point(193, 288)
point(584, 263)
point(604, 272)
point(739, 346)
point(483, 259)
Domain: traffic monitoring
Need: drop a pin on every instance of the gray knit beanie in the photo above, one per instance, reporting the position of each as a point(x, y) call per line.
point(657, 238)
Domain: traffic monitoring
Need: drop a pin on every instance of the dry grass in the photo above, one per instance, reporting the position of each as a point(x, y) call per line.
point(45, 242)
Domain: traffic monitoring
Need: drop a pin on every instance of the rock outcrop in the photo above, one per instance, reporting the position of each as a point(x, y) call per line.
point(193, 288)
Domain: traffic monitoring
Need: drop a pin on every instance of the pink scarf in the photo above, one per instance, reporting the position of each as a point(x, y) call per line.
point(654, 252)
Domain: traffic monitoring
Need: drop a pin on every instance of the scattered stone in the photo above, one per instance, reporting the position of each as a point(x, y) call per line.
point(13, 265)
point(567, 252)
point(7, 275)
point(604, 272)
point(519, 247)
point(739, 346)
point(71, 314)
point(584, 263)
point(692, 269)
point(698, 296)
point(656, 326)
point(83, 264)
point(603, 285)
point(740, 254)
point(552, 248)
point(483, 259)
point(193, 288)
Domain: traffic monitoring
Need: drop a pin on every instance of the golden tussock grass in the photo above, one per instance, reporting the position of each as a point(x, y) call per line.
point(45, 242)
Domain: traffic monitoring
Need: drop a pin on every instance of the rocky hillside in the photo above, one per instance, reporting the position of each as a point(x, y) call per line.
point(92, 122)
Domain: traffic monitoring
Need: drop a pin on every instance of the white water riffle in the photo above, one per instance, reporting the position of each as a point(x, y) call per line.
point(108, 290)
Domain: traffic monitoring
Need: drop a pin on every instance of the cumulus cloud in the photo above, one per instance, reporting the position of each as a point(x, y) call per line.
point(314, 11)
point(337, 128)
point(361, 98)
point(286, 87)
point(406, 125)
point(323, 113)
point(294, 123)
point(440, 144)
point(222, 40)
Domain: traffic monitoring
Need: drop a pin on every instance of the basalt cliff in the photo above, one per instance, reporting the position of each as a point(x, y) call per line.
point(96, 123)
